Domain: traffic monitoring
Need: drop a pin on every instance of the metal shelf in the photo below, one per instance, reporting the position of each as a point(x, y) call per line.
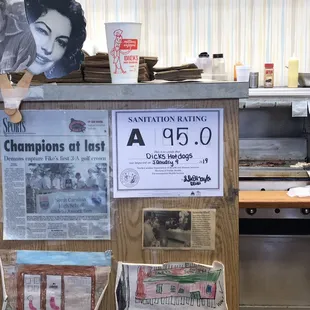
point(279, 92)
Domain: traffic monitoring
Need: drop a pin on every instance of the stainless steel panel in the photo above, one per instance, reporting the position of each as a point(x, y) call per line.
point(289, 213)
point(278, 172)
point(274, 308)
point(274, 271)
point(270, 123)
point(271, 149)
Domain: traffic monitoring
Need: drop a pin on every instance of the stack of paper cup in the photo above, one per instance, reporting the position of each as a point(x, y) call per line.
point(243, 73)
point(123, 41)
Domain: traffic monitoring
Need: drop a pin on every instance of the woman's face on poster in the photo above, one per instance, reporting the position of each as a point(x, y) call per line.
point(51, 33)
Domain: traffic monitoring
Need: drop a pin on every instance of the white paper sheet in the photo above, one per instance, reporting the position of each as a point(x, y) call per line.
point(168, 153)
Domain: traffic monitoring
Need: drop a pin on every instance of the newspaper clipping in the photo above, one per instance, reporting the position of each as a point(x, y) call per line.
point(179, 229)
point(55, 174)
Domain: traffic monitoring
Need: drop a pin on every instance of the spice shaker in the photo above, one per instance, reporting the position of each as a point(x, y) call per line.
point(254, 78)
point(269, 75)
point(204, 62)
point(218, 68)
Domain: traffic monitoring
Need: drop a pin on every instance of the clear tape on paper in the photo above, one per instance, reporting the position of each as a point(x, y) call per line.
point(34, 93)
point(12, 97)
point(300, 108)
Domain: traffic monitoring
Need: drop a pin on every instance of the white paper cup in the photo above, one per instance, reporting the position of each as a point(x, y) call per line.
point(123, 41)
point(243, 73)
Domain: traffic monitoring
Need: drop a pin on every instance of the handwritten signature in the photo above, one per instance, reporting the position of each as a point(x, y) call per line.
point(195, 180)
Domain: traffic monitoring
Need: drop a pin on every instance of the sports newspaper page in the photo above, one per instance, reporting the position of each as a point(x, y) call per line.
point(55, 174)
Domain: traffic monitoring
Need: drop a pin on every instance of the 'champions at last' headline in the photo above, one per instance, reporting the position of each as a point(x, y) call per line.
point(45, 146)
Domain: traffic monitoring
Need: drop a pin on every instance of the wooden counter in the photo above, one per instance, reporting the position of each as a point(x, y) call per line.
point(126, 242)
point(271, 199)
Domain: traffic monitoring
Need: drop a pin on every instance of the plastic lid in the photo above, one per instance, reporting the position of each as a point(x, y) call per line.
point(243, 67)
point(269, 66)
point(218, 55)
point(204, 54)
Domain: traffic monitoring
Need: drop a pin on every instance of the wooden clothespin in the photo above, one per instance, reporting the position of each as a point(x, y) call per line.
point(5, 85)
point(13, 97)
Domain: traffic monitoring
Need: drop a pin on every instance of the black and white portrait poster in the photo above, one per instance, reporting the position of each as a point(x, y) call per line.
point(17, 45)
point(56, 178)
point(59, 31)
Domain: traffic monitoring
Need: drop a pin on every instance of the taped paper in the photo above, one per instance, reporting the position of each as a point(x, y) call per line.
point(59, 182)
point(182, 229)
point(38, 280)
point(12, 97)
point(300, 108)
point(36, 93)
point(170, 286)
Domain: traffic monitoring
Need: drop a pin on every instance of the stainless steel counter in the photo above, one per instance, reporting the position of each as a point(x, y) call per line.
point(274, 272)
point(138, 92)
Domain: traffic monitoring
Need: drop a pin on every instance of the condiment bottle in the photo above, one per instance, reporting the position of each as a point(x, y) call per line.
point(293, 68)
point(218, 67)
point(205, 63)
point(269, 75)
point(235, 69)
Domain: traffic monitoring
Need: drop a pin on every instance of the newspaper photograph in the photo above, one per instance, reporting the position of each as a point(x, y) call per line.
point(183, 229)
point(55, 175)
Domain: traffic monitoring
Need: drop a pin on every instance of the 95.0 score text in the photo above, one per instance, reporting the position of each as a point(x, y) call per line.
point(180, 136)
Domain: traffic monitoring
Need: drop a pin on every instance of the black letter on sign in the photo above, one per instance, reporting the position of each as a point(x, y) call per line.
point(135, 137)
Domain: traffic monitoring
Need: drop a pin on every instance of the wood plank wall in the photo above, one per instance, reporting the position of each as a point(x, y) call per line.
point(127, 213)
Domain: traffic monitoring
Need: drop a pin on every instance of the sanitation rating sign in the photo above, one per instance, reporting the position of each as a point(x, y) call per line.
point(168, 153)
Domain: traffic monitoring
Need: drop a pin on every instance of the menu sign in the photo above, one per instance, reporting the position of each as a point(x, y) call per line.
point(168, 153)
